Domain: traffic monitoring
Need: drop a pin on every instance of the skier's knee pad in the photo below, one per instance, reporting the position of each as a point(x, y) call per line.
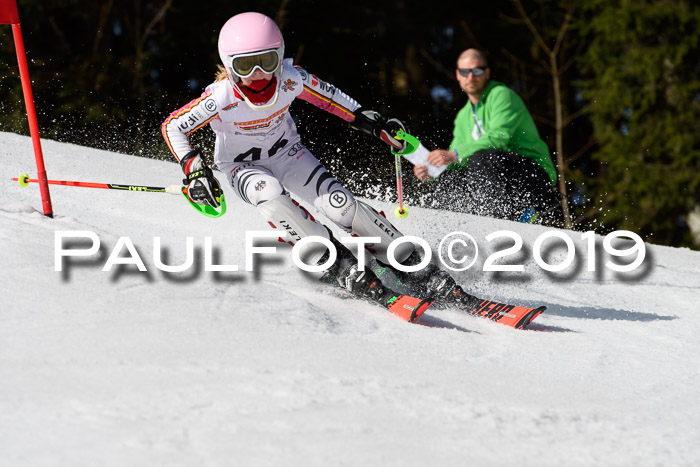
point(339, 206)
point(369, 223)
point(285, 215)
point(258, 187)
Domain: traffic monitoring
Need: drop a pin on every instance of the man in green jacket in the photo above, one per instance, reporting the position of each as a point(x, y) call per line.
point(504, 169)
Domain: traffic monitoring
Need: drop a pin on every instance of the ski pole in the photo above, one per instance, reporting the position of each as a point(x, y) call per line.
point(401, 212)
point(24, 181)
point(209, 211)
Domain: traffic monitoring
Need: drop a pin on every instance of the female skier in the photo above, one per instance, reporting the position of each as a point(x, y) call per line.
point(260, 152)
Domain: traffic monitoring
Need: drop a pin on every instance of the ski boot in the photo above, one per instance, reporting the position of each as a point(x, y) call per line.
point(346, 273)
point(435, 282)
point(444, 288)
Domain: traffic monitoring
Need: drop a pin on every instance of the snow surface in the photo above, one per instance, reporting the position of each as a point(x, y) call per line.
point(269, 368)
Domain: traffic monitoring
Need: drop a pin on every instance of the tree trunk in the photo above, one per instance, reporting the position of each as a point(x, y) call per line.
point(559, 144)
point(552, 53)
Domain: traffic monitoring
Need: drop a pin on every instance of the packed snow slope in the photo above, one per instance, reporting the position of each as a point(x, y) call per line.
point(270, 368)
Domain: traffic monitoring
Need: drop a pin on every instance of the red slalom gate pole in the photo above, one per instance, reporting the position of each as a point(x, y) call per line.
point(10, 15)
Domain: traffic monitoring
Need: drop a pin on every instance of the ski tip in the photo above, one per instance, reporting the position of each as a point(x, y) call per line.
point(528, 318)
point(408, 308)
point(420, 309)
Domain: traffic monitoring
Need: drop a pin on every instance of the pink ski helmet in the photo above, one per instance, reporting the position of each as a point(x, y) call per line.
point(251, 41)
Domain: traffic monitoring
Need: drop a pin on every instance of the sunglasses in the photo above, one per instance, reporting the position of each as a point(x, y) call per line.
point(476, 71)
point(244, 65)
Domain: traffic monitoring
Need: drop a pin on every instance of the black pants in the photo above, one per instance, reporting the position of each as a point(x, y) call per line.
point(500, 184)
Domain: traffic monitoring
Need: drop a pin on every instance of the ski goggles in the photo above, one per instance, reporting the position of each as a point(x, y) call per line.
point(477, 71)
point(244, 65)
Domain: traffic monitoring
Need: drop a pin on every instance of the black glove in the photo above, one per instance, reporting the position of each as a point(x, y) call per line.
point(372, 123)
point(202, 186)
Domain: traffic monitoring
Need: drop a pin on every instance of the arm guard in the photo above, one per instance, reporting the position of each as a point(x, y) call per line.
point(327, 97)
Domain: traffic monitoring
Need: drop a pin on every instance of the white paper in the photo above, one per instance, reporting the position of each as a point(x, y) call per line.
point(420, 157)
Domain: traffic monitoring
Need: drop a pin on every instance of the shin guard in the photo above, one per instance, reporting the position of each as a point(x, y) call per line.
point(369, 223)
point(285, 215)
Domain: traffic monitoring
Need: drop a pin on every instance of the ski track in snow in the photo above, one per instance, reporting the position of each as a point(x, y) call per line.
point(128, 368)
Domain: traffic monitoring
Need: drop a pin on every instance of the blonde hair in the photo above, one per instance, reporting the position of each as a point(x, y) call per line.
point(221, 73)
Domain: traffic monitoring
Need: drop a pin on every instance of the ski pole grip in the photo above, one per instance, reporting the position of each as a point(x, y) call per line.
point(417, 154)
point(412, 143)
point(207, 210)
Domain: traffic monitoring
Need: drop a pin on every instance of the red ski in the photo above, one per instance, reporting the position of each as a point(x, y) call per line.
point(406, 307)
point(518, 317)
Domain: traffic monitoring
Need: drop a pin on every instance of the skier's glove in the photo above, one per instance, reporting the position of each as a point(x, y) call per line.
point(202, 186)
point(372, 123)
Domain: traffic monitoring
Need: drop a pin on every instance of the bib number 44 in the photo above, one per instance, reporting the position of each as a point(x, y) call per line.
point(254, 153)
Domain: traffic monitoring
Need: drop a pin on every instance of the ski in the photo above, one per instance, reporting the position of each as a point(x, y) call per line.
point(368, 287)
point(518, 317)
point(406, 307)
